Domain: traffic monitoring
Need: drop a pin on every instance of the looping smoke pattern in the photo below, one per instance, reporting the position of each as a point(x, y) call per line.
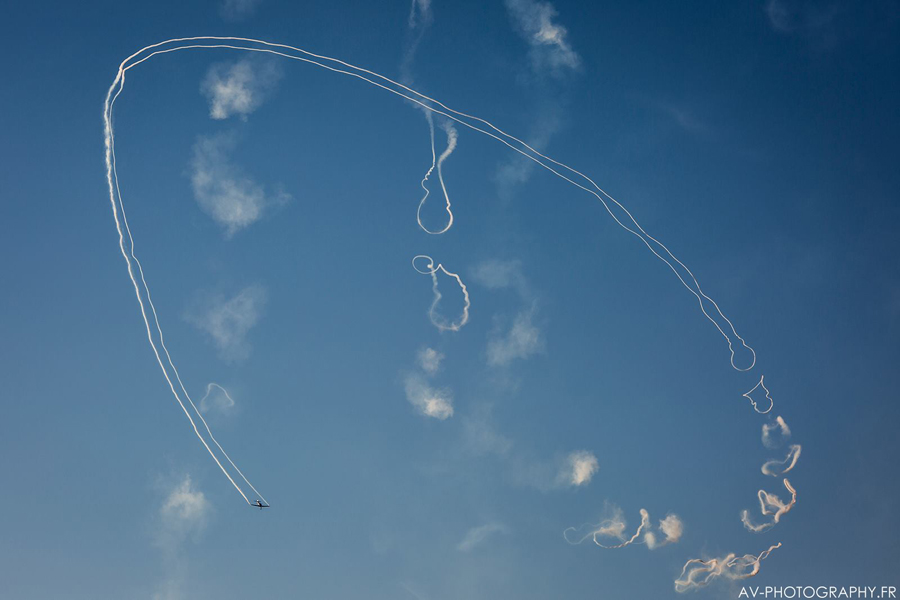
point(698, 573)
point(671, 527)
point(430, 269)
point(452, 137)
point(748, 396)
point(614, 208)
point(770, 504)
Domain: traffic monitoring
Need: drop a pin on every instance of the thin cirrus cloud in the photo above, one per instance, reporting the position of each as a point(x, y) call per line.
point(232, 199)
point(550, 48)
point(478, 535)
point(227, 321)
point(239, 88)
point(238, 10)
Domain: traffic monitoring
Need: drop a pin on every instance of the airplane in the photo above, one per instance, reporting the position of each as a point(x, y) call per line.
point(260, 505)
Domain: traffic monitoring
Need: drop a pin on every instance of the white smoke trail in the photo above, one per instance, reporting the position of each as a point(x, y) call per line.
point(790, 460)
point(784, 432)
point(614, 527)
point(428, 104)
point(452, 136)
point(209, 389)
point(686, 276)
point(770, 504)
point(768, 397)
point(432, 270)
point(117, 205)
point(697, 573)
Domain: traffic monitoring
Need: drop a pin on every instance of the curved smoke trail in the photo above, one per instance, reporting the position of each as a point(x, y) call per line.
point(561, 170)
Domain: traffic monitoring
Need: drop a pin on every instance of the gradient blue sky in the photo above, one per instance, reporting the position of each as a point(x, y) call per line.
point(757, 140)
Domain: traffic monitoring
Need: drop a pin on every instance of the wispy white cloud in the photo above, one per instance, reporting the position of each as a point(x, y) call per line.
point(429, 360)
point(521, 340)
point(480, 438)
point(420, 14)
point(239, 88)
point(495, 274)
point(788, 16)
point(238, 10)
point(684, 117)
point(550, 47)
point(231, 198)
point(564, 471)
point(580, 467)
point(182, 518)
point(574, 470)
point(478, 535)
point(429, 401)
point(671, 527)
point(227, 321)
point(516, 169)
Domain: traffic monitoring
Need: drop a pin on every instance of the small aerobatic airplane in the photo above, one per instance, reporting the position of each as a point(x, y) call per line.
point(260, 505)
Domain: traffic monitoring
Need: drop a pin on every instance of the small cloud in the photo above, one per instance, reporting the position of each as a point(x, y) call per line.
point(429, 360)
point(481, 439)
point(239, 88)
point(238, 10)
point(232, 199)
point(182, 517)
point(550, 48)
point(671, 528)
point(420, 14)
point(521, 341)
point(787, 16)
point(431, 402)
point(477, 535)
point(216, 398)
point(497, 274)
point(228, 321)
point(516, 169)
point(684, 117)
point(184, 511)
point(821, 24)
point(580, 468)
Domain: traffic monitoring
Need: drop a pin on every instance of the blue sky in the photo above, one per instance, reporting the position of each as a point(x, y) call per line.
point(273, 208)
